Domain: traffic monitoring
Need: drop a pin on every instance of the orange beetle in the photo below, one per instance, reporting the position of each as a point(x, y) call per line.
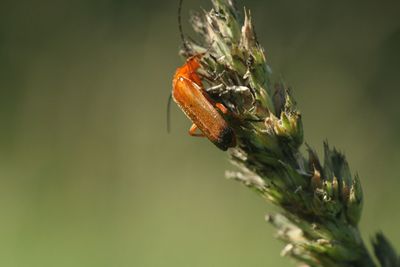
point(188, 92)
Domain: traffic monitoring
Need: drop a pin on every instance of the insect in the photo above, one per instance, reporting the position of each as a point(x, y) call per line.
point(188, 92)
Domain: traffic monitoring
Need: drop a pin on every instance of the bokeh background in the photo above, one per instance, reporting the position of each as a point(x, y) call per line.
point(88, 174)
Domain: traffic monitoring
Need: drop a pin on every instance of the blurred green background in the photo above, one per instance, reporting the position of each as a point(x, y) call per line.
point(88, 174)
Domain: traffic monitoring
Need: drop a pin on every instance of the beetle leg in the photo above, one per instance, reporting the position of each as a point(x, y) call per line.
point(221, 107)
point(192, 131)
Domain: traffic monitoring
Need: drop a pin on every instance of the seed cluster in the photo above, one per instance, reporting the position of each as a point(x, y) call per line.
point(321, 201)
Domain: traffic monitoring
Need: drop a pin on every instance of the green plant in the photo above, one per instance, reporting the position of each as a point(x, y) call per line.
point(321, 202)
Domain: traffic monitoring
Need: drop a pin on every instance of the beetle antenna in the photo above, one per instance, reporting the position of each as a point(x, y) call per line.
point(169, 113)
point(185, 46)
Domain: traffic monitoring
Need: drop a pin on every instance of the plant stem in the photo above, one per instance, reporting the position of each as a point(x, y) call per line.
point(321, 202)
